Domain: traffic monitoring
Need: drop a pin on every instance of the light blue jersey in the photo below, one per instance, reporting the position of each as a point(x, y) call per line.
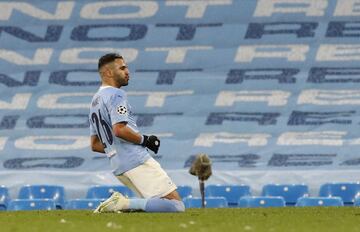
point(108, 107)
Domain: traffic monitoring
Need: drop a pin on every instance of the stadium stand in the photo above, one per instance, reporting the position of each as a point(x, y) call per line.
point(348, 192)
point(357, 202)
point(232, 193)
point(215, 197)
point(103, 192)
point(319, 201)
point(4, 197)
point(210, 202)
point(269, 93)
point(184, 191)
point(80, 204)
point(290, 192)
point(261, 202)
point(47, 192)
point(32, 204)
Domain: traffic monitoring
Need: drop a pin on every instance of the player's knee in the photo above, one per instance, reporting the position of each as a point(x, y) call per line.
point(164, 205)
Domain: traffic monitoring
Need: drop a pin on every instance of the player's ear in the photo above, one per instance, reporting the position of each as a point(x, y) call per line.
point(111, 67)
point(108, 72)
point(104, 71)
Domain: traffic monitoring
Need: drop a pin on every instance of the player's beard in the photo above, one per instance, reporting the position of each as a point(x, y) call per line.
point(126, 81)
point(122, 81)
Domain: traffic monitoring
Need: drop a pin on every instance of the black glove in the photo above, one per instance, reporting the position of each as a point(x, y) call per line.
point(152, 142)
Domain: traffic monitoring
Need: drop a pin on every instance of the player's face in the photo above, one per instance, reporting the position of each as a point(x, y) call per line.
point(120, 72)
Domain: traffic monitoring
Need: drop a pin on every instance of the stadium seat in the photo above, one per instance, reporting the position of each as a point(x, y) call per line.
point(53, 192)
point(82, 204)
point(357, 201)
point(319, 201)
point(261, 202)
point(184, 191)
point(210, 202)
point(346, 191)
point(105, 191)
point(232, 193)
point(4, 198)
point(32, 204)
point(290, 192)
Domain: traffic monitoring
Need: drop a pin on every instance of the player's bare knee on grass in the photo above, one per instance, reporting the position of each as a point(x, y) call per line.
point(174, 195)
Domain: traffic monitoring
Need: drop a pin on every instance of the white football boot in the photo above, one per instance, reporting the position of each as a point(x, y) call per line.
point(115, 203)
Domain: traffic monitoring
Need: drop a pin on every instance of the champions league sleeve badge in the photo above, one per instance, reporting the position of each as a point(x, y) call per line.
point(122, 110)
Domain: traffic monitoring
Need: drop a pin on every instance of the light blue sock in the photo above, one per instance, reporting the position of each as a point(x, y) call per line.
point(137, 203)
point(164, 205)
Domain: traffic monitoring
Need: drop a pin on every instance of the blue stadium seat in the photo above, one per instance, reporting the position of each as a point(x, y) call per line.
point(232, 193)
point(32, 204)
point(319, 201)
point(105, 191)
point(82, 204)
point(346, 191)
point(210, 202)
point(357, 201)
point(261, 202)
point(4, 197)
point(290, 192)
point(184, 191)
point(53, 192)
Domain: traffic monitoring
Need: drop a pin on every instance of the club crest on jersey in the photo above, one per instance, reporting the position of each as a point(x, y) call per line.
point(121, 110)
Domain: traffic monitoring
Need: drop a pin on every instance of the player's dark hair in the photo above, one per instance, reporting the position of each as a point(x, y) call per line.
point(108, 58)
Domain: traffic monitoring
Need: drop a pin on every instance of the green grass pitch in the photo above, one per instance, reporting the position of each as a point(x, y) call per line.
point(312, 219)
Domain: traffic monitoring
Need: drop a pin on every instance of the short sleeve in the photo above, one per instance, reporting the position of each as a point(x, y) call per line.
point(119, 111)
point(92, 129)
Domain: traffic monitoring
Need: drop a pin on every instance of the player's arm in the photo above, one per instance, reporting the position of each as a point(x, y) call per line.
point(96, 144)
point(122, 131)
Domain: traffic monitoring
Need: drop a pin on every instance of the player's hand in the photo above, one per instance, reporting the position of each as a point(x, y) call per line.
point(152, 142)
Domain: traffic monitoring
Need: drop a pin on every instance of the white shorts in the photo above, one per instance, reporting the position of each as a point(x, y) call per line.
point(148, 180)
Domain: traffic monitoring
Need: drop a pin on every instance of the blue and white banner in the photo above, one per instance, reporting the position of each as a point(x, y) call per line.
point(262, 86)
